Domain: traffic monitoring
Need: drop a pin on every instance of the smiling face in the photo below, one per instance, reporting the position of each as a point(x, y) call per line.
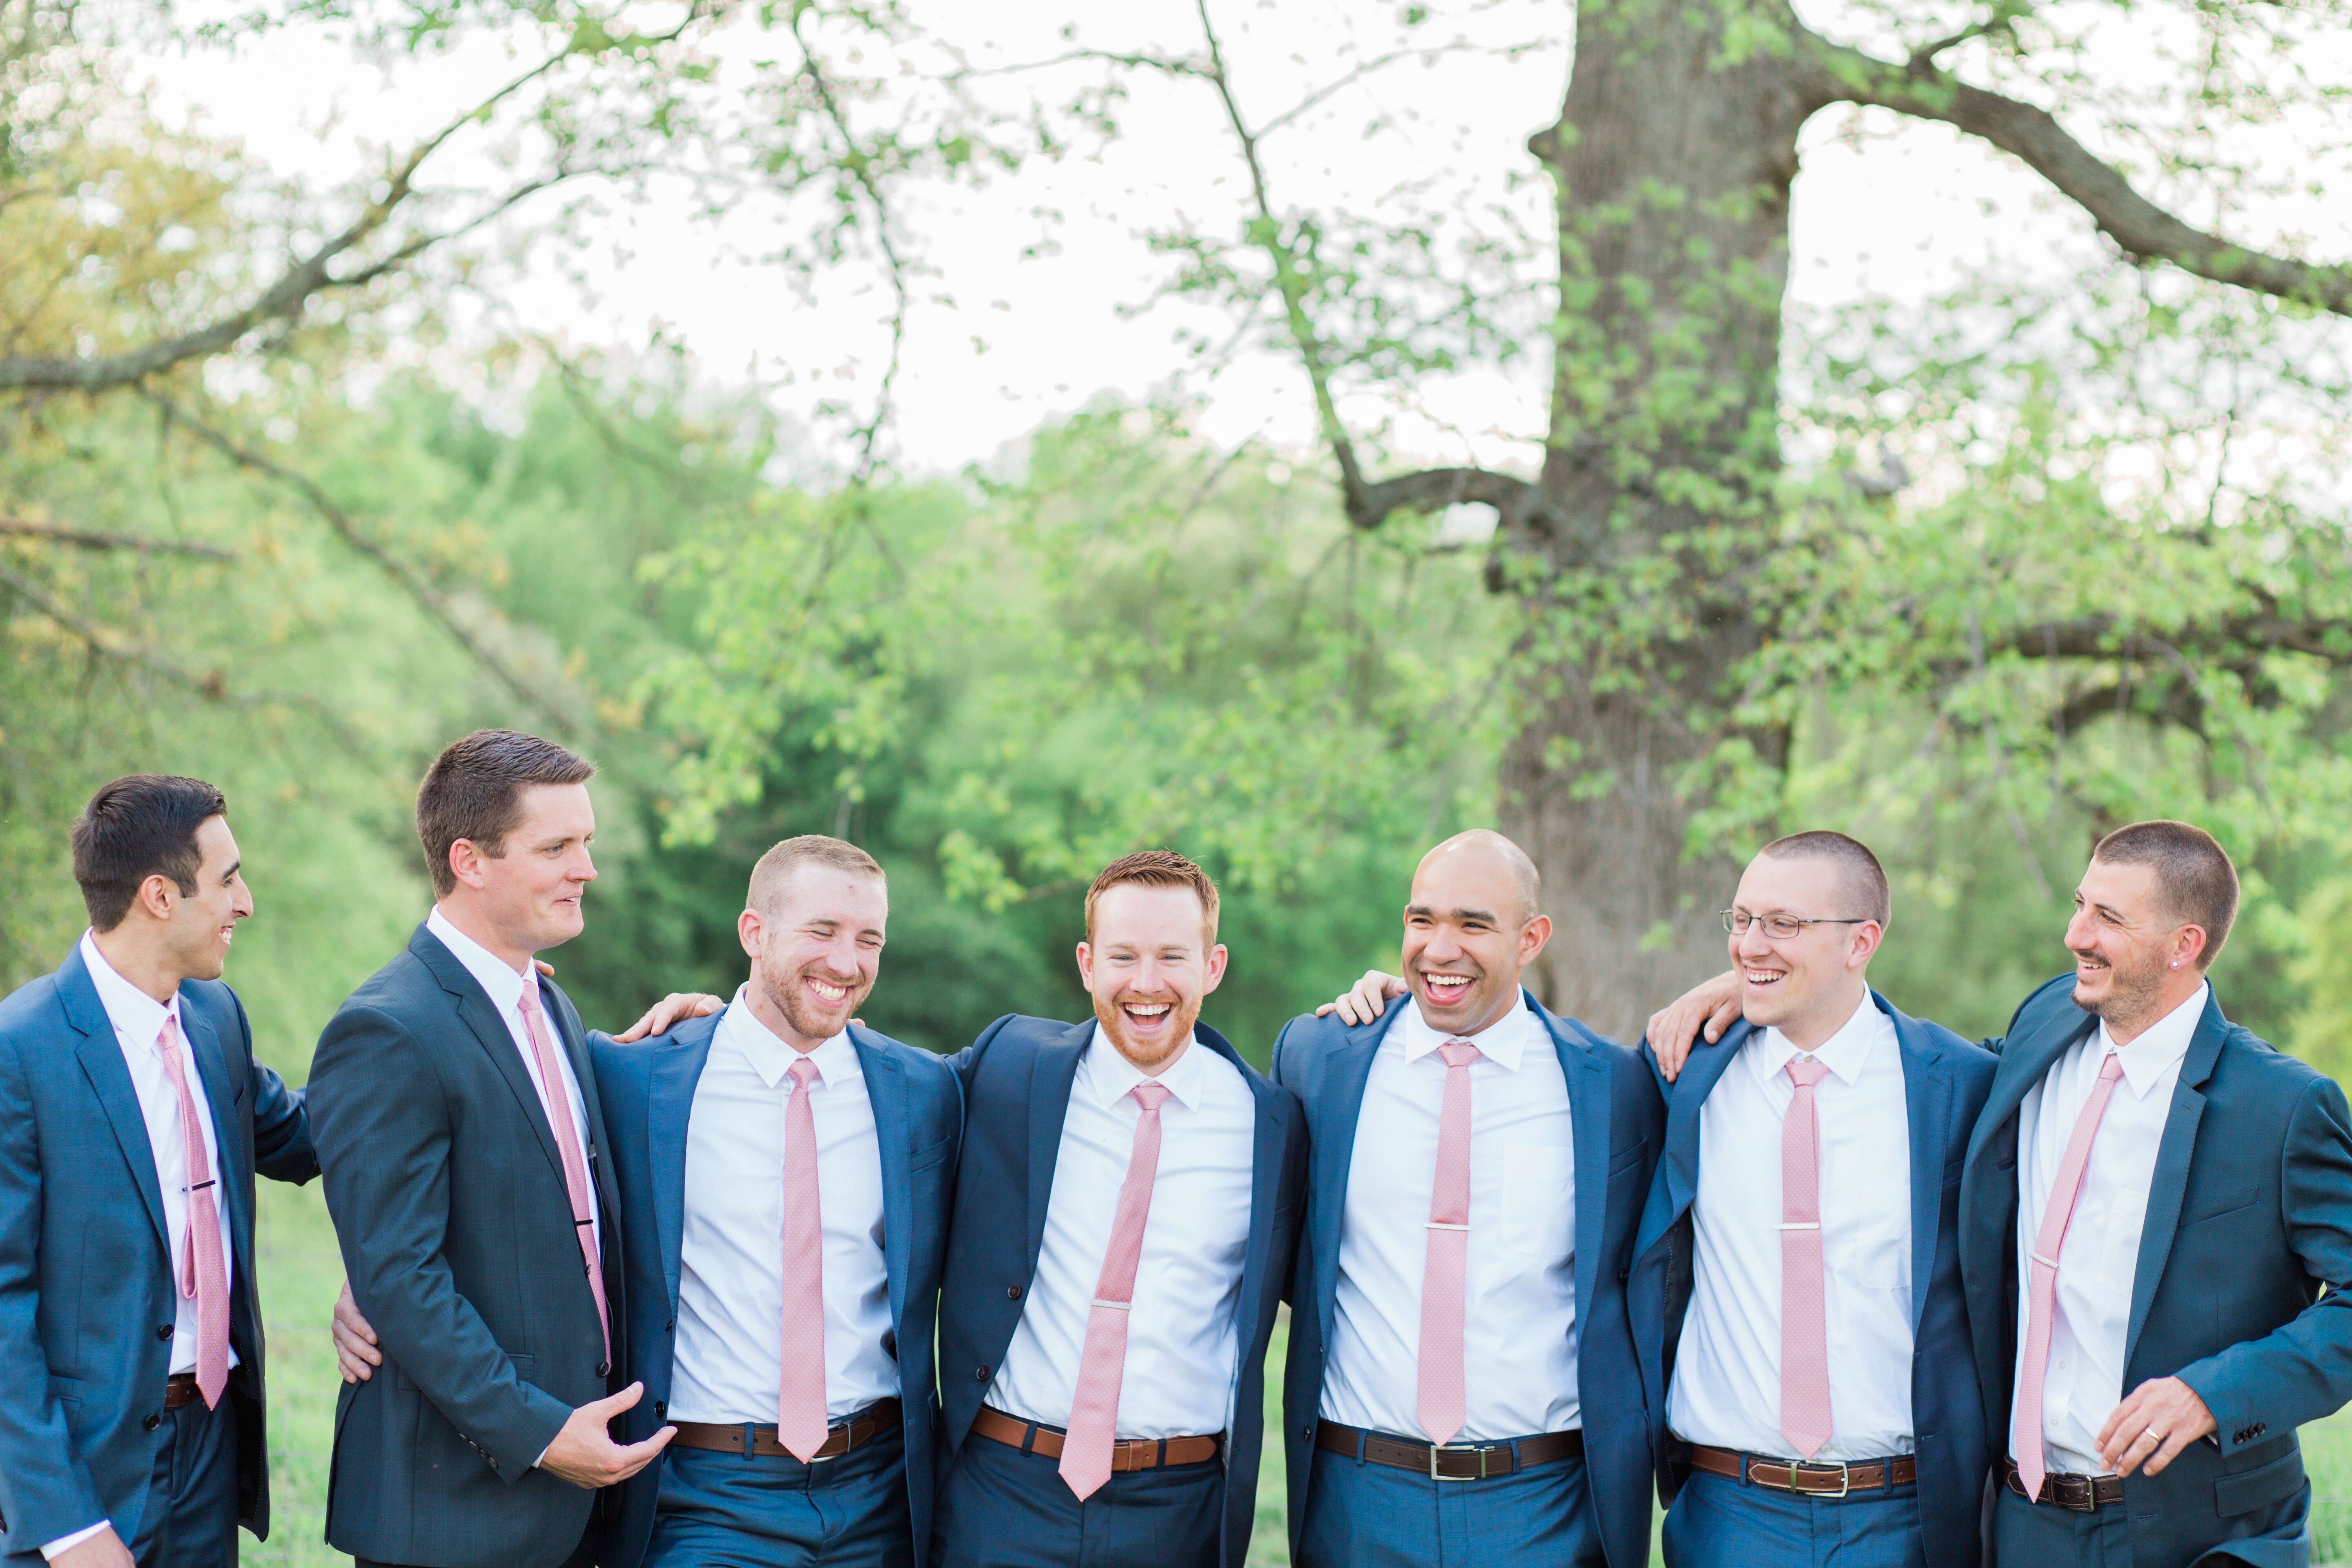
point(1808, 984)
point(1468, 934)
point(2135, 961)
point(201, 923)
point(815, 951)
point(1149, 964)
point(528, 896)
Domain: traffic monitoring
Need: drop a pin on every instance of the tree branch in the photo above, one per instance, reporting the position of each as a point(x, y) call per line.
point(88, 541)
point(2261, 631)
point(2146, 231)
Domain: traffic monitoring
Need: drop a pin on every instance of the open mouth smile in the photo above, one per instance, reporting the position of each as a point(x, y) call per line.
point(1445, 987)
point(1147, 1016)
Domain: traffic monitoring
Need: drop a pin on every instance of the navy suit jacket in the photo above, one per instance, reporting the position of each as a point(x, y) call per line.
point(1618, 1121)
point(87, 1296)
point(1017, 1079)
point(1945, 1082)
point(448, 1197)
point(648, 1095)
point(2249, 1214)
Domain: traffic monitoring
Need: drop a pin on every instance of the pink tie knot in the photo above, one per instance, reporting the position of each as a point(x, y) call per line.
point(1458, 1053)
point(2112, 1069)
point(804, 1069)
point(1150, 1096)
point(1807, 1071)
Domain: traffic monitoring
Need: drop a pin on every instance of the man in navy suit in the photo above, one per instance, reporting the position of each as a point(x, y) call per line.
point(2152, 1203)
point(1121, 1241)
point(821, 1455)
point(1462, 1384)
point(1773, 1449)
point(130, 1351)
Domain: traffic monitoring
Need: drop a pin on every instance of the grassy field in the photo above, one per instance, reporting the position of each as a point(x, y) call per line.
point(300, 1272)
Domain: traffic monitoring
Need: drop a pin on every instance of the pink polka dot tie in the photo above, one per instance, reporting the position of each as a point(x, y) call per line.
point(204, 1272)
point(1446, 1266)
point(567, 1143)
point(1805, 1422)
point(1094, 1408)
point(800, 1399)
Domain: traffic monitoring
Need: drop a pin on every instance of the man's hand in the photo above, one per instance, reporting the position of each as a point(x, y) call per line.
point(104, 1550)
point(1369, 999)
point(584, 1453)
point(675, 1008)
point(1710, 1007)
point(2162, 1416)
point(355, 1350)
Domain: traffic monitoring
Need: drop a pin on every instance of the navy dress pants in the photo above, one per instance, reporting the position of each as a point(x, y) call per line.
point(1363, 1515)
point(730, 1510)
point(191, 1518)
point(1718, 1520)
point(2024, 1536)
point(999, 1508)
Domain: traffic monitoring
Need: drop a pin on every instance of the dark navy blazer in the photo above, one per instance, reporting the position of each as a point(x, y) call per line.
point(1017, 1079)
point(450, 1208)
point(87, 1296)
point(2249, 1214)
point(1944, 1081)
point(1618, 1121)
point(648, 1095)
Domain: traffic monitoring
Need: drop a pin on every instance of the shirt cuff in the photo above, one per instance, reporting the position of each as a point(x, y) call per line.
point(542, 1458)
point(65, 1543)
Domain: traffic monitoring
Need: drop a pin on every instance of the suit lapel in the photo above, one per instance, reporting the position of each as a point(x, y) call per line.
point(1928, 1098)
point(885, 1090)
point(669, 1110)
point(552, 1007)
point(211, 1068)
point(1588, 1110)
point(1050, 1076)
point(2023, 1064)
point(475, 1009)
point(1700, 1074)
point(1346, 1069)
point(1265, 1177)
point(2169, 1184)
point(100, 1055)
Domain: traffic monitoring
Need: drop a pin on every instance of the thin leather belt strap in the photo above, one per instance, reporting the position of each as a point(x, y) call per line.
point(1453, 1461)
point(1128, 1454)
point(760, 1442)
point(181, 1390)
point(1811, 1481)
point(2083, 1494)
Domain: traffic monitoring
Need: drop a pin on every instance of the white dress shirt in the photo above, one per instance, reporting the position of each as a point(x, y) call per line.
point(138, 1019)
point(1519, 1323)
point(727, 1365)
point(1726, 1387)
point(2100, 1257)
point(504, 987)
point(1182, 1344)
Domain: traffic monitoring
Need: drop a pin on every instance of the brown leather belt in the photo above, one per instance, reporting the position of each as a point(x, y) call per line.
point(181, 1390)
point(1128, 1454)
point(1808, 1480)
point(2083, 1494)
point(1451, 1461)
point(760, 1442)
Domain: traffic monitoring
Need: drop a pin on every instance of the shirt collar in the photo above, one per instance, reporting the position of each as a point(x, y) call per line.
point(1845, 1052)
point(2157, 1048)
point(1112, 1076)
point(772, 1057)
point(1502, 1042)
point(137, 1016)
point(490, 972)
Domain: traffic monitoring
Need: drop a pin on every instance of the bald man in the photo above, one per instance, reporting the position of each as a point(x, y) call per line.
point(1462, 1383)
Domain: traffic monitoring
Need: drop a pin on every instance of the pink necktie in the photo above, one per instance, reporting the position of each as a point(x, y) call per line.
point(1445, 1268)
point(204, 1273)
point(1094, 1408)
point(1804, 1319)
point(800, 1397)
point(2042, 1279)
point(567, 1140)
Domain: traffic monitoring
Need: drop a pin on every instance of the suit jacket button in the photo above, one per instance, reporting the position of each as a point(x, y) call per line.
point(494, 1464)
point(980, 1374)
point(661, 1408)
point(603, 1369)
point(670, 1327)
point(152, 1422)
point(1013, 1292)
point(165, 1333)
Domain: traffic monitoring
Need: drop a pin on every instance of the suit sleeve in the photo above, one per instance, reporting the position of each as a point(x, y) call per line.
point(384, 1135)
point(966, 1061)
point(2261, 1389)
point(282, 1149)
point(45, 1490)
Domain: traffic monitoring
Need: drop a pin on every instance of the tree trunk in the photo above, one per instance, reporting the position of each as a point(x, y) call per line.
point(1673, 157)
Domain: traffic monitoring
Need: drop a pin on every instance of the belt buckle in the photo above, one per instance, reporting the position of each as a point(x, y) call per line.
point(1437, 1448)
point(1845, 1479)
point(2089, 1495)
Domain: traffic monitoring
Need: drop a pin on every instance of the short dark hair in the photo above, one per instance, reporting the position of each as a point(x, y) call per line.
point(1155, 868)
point(1864, 878)
point(2193, 875)
point(140, 826)
point(474, 790)
point(808, 849)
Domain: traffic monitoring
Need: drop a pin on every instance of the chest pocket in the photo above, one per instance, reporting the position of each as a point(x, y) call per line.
point(1539, 1219)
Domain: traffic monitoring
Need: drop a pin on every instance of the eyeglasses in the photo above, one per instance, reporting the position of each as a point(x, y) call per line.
point(1779, 928)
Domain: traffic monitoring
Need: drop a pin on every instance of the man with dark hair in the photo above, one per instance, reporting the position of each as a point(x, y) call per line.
point(131, 1347)
point(1122, 1236)
point(2152, 1203)
point(468, 1172)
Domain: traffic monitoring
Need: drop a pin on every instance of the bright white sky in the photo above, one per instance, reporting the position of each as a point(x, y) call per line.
point(1900, 209)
